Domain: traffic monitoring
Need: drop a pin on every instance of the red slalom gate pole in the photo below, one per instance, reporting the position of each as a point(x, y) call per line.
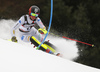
point(78, 41)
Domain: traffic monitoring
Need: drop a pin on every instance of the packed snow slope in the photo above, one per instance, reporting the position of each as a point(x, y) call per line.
point(67, 48)
point(15, 57)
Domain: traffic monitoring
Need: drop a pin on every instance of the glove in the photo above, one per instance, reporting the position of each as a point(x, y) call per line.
point(13, 39)
point(42, 31)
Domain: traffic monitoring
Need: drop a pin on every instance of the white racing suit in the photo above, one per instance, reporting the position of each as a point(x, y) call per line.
point(27, 29)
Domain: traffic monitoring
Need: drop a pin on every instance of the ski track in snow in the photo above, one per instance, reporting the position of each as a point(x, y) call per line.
point(67, 48)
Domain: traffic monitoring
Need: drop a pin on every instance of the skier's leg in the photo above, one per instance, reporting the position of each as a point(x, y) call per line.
point(36, 34)
point(24, 36)
point(42, 47)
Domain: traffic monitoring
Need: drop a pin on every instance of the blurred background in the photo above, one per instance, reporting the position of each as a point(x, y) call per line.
point(77, 19)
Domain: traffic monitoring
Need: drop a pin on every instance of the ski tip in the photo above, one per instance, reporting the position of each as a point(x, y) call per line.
point(9, 39)
point(58, 54)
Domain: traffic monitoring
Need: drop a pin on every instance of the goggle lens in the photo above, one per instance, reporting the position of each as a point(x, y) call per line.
point(33, 14)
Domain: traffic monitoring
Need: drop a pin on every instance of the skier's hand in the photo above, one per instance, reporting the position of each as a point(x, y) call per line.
point(13, 39)
point(42, 31)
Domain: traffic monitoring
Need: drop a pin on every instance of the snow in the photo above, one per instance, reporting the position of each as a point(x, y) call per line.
point(66, 47)
point(16, 57)
point(22, 57)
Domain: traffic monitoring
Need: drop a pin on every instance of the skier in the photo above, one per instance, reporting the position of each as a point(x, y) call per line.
point(26, 27)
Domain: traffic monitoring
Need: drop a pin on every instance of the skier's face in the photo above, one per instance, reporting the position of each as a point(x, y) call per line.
point(33, 17)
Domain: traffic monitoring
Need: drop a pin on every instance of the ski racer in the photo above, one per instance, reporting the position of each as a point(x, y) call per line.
point(27, 31)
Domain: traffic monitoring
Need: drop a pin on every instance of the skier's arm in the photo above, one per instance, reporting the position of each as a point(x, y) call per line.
point(18, 23)
point(14, 28)
point(40, 24)
point(42, 28)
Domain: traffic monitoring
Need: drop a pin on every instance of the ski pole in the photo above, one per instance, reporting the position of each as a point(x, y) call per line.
point(51, 14)
point(74, 40)
point(78, 41)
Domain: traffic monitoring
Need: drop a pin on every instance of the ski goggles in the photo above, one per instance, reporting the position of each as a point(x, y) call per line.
point(33, 14)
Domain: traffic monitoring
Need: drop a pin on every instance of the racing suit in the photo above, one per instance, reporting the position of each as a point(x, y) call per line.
point(27, 29)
